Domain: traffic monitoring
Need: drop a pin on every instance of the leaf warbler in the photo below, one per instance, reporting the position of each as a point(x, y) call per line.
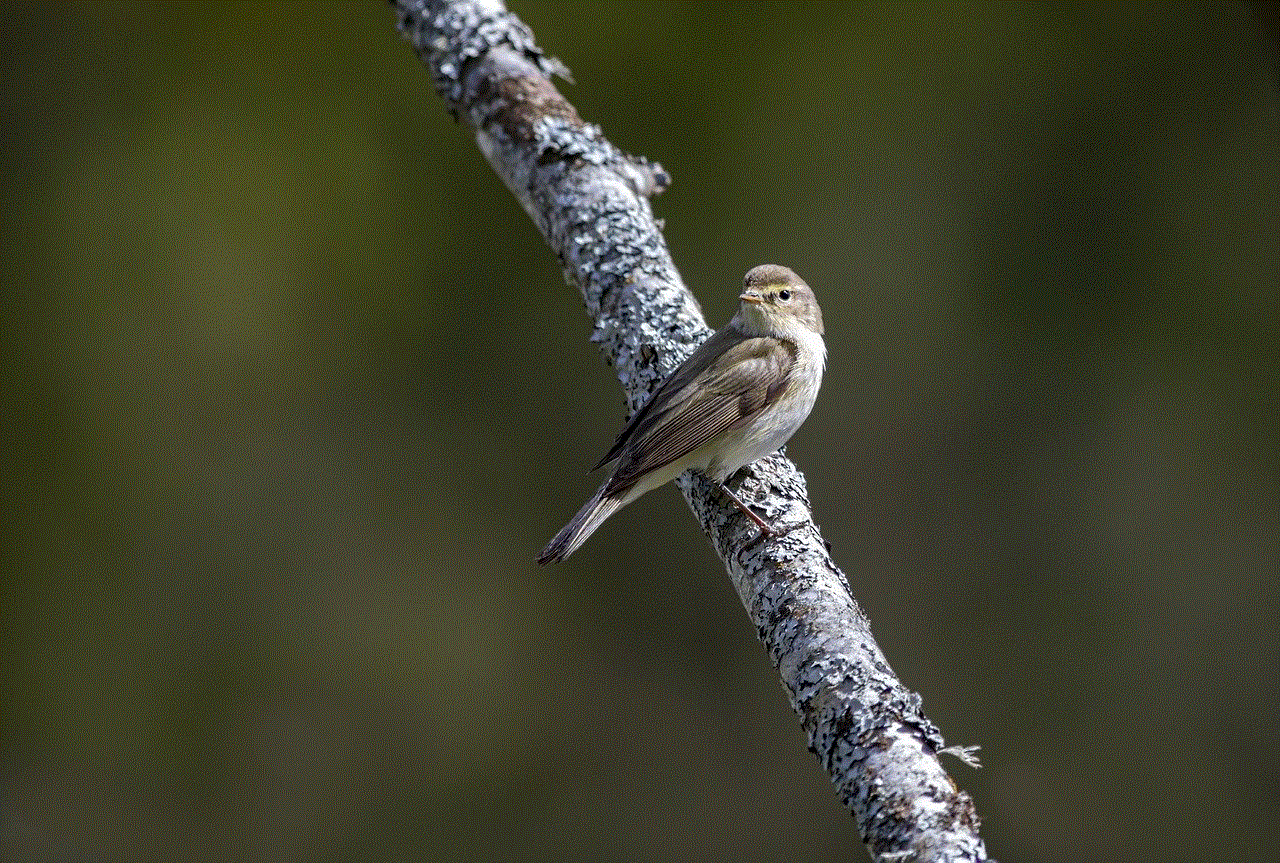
point(737, 398)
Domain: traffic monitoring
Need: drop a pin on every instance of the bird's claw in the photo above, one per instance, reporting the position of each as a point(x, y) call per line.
point(770, 531)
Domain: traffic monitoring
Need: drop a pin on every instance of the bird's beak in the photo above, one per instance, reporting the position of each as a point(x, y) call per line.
point(751, 297)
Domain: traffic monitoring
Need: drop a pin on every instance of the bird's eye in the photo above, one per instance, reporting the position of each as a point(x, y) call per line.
point(784, 295)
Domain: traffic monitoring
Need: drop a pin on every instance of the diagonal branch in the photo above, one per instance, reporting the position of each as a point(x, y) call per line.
point(590, 201)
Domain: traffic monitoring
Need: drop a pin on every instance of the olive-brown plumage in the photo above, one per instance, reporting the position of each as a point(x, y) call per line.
point(737, 398)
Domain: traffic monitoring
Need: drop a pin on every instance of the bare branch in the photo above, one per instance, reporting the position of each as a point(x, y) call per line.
point(590, 202)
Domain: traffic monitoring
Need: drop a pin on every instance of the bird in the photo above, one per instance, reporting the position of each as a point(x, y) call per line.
point(737, 398)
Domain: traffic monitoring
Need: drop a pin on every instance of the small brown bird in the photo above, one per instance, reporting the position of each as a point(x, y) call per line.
point(739, 397)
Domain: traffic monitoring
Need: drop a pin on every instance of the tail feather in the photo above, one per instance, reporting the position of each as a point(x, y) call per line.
point(581, 526)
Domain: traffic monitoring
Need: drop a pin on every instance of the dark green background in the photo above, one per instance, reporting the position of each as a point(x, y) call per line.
point(285, 383)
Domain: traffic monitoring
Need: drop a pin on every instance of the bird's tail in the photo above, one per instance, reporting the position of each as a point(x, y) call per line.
point(581, 526)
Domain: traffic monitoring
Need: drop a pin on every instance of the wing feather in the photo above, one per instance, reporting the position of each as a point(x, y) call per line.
point(700, 401)
point(661, 401)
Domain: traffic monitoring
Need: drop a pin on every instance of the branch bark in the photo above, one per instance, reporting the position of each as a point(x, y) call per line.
point(590, 201)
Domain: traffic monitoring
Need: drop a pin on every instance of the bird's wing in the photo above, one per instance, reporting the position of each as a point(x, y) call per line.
point(660, 401)
point(700, 402)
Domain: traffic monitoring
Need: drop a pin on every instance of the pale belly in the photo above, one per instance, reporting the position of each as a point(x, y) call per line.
point(761, 437)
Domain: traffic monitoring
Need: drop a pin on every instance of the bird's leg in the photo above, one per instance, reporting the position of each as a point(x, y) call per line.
point(766, 529)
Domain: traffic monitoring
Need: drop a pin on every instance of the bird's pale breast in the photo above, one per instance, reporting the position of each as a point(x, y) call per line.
point(779, 421)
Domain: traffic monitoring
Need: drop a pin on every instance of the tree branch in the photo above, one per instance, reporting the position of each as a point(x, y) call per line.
point(590, 201)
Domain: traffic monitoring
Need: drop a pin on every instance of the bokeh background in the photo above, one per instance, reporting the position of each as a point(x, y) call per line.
point(293, 394)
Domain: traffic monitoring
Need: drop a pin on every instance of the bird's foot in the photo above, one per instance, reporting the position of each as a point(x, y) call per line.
point(766, 530)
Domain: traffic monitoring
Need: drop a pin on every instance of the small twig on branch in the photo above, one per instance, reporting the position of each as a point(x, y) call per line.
point(590, 201)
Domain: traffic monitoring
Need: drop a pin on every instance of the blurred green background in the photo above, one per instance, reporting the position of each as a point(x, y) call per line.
point(278, 355)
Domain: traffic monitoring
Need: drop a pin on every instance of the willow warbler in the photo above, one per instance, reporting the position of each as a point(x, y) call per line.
point(737, 398)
